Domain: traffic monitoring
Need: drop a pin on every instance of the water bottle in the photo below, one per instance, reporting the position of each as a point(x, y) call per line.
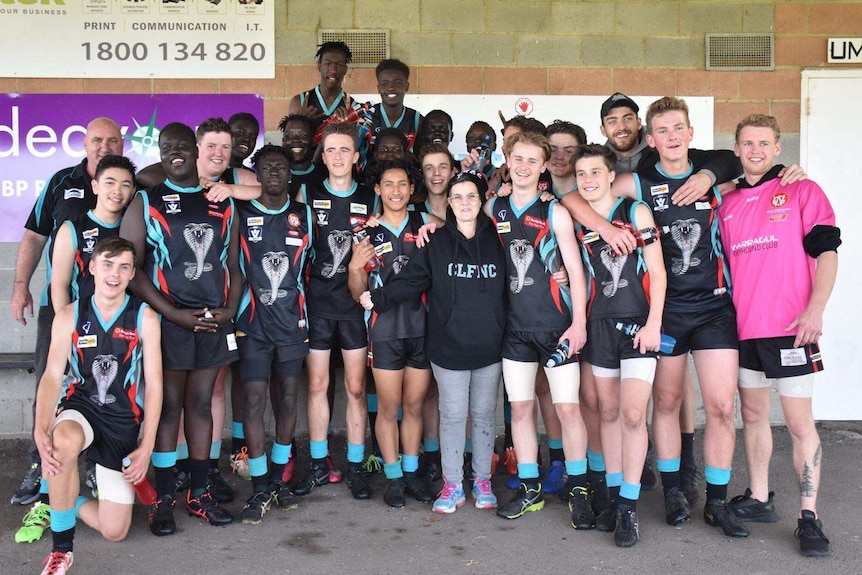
point(667, 342)
point(359, 235)
point(561, 354)
point(145, 491)
point(484, 150)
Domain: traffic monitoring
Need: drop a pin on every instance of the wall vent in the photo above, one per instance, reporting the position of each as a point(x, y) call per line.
point(740, 52)
point(368, 46)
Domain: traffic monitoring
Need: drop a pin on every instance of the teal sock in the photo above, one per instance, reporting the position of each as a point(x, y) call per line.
point(431, 444)
point(596, 461)
point(355, 452)
point(281, 453)
point(409, 463)
point(319, 449)
point(392, 470)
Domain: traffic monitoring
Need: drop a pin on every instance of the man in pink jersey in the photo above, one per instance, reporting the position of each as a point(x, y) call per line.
point(773, 231)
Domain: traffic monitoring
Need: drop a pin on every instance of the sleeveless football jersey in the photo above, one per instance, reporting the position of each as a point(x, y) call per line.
point(274, 247)
point(394, 249)
point(617, 285)
point(335, 215)
point(314, 99)
point(537, 302)
point(105, 378)
point(188, 238)
point(408, 123)
point(87, 230)
point(301, 180)
point(697, 275)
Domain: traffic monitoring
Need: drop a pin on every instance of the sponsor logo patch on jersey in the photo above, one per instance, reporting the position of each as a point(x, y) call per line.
point(409, 237)
point(590, 237)
point(173, 208)
point(88, 325)
point(87, 341)
point(777, 217)
point(255, 234)
point(171, 198)
point(293, 241)
point(255, 221)
point(76, 193)
point(216, 214)
point(358, 209)
point(94, 233)
point(660, 203)
point(321, 204)
point(537, 223)
point(501, 215)
point(126, 334)
point(293, 220)
point(504, 227)
point(702, 206)
point(383, 248)
point(357, 221)
point(779, 199)
point(322, 218)
point(543, 186)
point(659, 190)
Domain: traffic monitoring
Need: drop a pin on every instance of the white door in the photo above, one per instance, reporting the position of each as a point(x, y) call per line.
point(831, 153)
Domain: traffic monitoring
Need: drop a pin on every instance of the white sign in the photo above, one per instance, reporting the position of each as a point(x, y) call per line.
point(844, 51)
point(138, 38)
point(582, 110)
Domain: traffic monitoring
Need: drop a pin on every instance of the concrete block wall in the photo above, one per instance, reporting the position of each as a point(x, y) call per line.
point(578, 47)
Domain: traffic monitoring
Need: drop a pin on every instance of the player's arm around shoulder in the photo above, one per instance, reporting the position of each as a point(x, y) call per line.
point(649, 337)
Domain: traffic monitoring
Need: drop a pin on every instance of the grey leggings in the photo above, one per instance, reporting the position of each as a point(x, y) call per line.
point(460, 389)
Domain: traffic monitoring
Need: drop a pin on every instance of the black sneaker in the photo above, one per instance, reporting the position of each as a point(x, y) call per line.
point(29, 490)
point(318, 474)
point(359, 488)
point(394, 494)
point(676, 507)
point(418, 488)
point(430, 469)
point(256, 507)
point(607, 520)
point(160, 516)
point(626, 532)
point(600, 498)
point(809, 531)
point(649, 479)
point(217, 487)
point(524, 500)
point(90, 479)
point(583, 516)
point(718, 515)
point(283, 496)
point(207, 509)
point(748, 509)
point(182, 480)
point(688, 481)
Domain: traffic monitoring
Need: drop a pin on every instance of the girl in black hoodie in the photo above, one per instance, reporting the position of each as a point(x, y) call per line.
point(463, 272)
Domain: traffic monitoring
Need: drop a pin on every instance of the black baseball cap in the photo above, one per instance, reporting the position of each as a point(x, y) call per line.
point(618, 100)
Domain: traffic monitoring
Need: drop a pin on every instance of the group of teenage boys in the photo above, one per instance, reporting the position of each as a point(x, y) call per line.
point(610, 247)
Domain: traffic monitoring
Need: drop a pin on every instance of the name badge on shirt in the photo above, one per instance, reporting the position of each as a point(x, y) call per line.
point(504, 227)
point(87, 341)
point(793, 357)
point(358, 209)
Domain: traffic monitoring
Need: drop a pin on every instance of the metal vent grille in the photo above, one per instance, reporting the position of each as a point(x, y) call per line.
point(367, 46)
point(740, 52)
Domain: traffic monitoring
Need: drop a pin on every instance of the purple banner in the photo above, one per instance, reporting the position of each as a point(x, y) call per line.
point(43, 133)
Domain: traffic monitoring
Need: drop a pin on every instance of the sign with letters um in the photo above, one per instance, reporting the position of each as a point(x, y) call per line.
point(138, 38)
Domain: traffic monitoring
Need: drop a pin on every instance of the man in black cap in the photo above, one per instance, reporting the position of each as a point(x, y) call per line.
point(622, 127)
